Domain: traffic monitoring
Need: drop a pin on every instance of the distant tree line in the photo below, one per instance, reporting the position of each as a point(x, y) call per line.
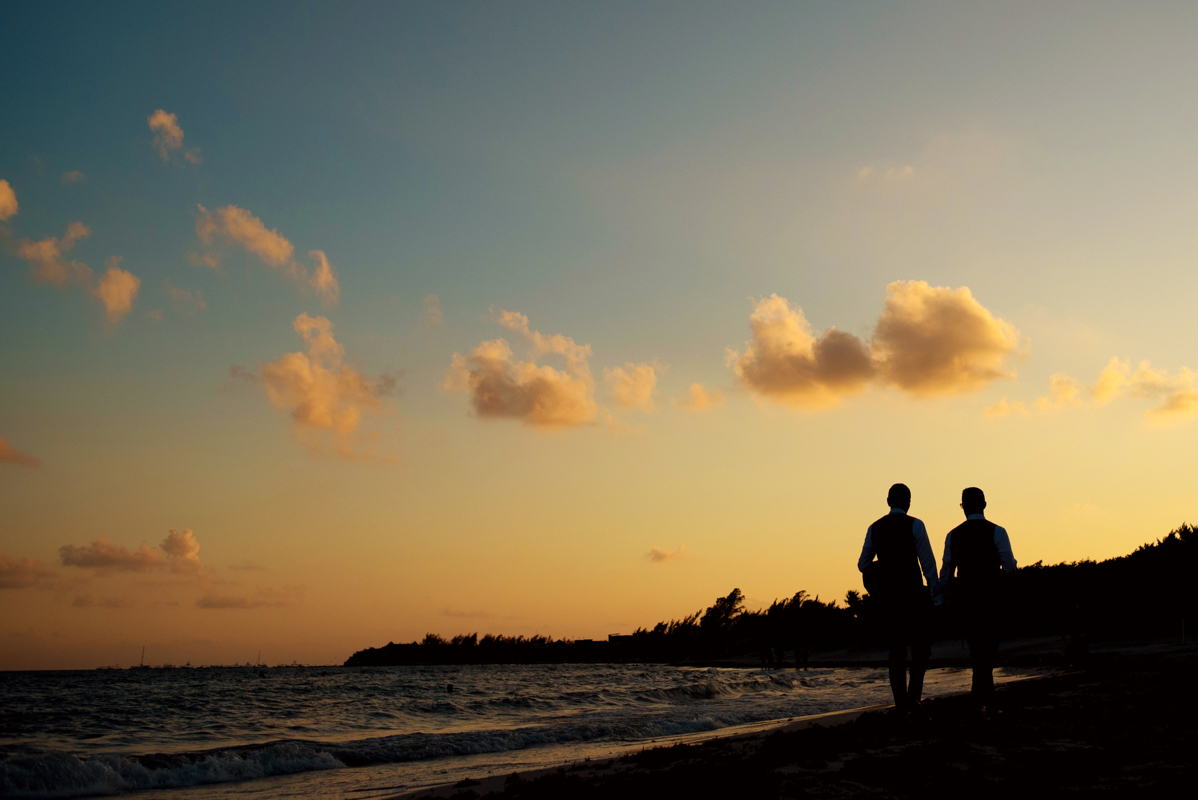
point(1146, 593)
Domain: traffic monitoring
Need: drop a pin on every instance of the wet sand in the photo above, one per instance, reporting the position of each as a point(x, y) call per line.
point(1121, 722)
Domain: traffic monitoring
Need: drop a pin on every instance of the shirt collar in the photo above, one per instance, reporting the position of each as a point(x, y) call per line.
point(975, 516)
point(897, 511)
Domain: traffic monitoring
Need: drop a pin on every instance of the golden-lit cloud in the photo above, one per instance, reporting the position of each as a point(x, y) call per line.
point(186, 301)
point(168, 136)
point(11, 455)
point(117, 290)
point(1005, 409)
point(928, 341)
point(239, 226)
point(179, 552)
point(74, 176)
point(632, 385)
point(432, 311)
point(21, 573)
point(539, 395)
point(701, 398)
point(932, 340)
point(321, 393)
point(8, 201)
point(1063, 392)
point(786, 362)
point(182, 552)
point(660, 556)
point(891, 173)
point(49, 266)
point(1176, 395)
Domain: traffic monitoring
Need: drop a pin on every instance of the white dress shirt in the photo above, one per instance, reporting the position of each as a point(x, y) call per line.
point(923, 549)
point(1001, 541)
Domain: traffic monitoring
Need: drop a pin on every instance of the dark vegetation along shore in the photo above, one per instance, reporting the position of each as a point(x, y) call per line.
point(1148, 593)
point(1122, 725)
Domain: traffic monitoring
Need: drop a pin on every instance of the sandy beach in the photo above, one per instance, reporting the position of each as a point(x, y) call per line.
point(1119, 722)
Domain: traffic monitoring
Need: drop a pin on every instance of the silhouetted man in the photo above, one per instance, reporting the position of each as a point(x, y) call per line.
point(979, 552)
point(900, 543)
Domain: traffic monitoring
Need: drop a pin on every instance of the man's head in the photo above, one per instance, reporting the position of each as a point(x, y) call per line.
point(973, 500)
point(899, 496)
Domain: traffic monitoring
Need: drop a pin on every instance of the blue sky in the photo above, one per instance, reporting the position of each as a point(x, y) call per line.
point(637, 177)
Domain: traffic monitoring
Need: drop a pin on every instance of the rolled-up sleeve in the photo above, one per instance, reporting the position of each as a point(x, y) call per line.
point(1003, 543)
point(867, 550)
point(923, 549)
point(946, 563)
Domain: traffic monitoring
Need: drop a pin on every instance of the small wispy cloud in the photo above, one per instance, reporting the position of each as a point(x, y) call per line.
point(262, 597)
point(239, 226)
point(890, 173)
point(8, 201)
point(168, 138)
point(11, 455)
point(116, 289)
point(432, 311)
point(74, 176)
point(659, 556)
point(701, 398)
point(185, 301)
point(22, 572)
point(1175, 395)
point(632, 385)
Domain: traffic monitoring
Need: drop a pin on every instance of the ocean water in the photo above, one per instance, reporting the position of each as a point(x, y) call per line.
point(361, 732)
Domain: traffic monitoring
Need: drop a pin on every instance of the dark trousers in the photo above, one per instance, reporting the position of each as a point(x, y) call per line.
point(980, 610)
point(908, 622)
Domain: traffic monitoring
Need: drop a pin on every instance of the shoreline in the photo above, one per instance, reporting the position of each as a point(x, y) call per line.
point(596, 767)
point(605, 767)
point(1120, 723)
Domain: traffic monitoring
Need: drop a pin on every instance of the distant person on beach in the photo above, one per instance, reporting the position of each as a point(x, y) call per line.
point(979, 553)
point(900, 544)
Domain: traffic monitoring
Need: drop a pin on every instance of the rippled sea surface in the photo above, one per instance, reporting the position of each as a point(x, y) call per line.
point(330, 732)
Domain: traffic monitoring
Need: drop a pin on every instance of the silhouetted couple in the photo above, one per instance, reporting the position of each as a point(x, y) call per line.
point(976, 553)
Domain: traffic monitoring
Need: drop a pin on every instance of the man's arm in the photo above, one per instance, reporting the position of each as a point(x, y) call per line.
point(947, 567)
point(923, 549)
point(867, 550)
point(1003, 543)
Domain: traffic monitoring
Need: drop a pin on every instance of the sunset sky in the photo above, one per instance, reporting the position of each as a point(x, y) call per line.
point(323, 326)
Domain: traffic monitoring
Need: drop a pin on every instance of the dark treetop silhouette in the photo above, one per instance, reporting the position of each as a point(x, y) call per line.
point(1146, 593)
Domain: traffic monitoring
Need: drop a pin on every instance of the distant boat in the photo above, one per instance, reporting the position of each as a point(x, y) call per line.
point(142, 664)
